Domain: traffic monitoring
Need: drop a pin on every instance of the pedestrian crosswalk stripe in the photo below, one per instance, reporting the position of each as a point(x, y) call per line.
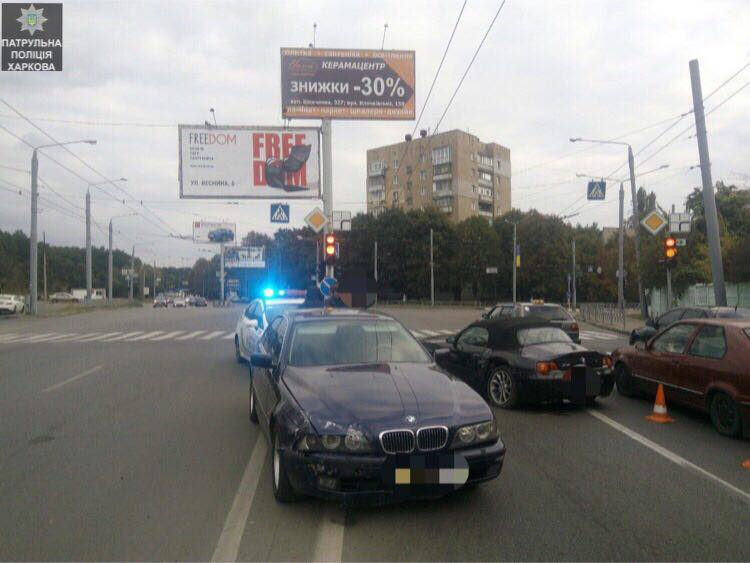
point(46, 337)
point(124, 336)
point(7, 335)
point(70, 337)
point(100, 336)
point(229, 336)
point(447, 331)
point(148, 335)
point(81, 337)
point(167, 336)
point(61, 337)
point(33, 337)
point(212, 335)
point(190, 335)
point(595, 335)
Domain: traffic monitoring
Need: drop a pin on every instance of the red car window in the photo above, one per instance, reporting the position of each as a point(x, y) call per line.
point(709, 343)
point(674, 339)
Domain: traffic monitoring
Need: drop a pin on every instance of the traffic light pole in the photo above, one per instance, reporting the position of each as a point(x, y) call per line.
point(326, 133)
point(637, 228)
point(515, 262)
point(432, 273)
point(669, 288)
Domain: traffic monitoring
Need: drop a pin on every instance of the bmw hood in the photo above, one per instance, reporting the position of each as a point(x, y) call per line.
point(383, 396)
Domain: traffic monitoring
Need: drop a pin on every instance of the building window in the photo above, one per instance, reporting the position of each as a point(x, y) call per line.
point(474, 208)
point(422, 175)
point(472, 157)
point(395, 163)
point(422, 190)
point(395, 197)
point(441, 155)
point(473, 189)
point(395, 181)
point(485, 176)
point(473, 172)
point(441, 186)
point(408, 185)
point(421, 157)
point(408, 169)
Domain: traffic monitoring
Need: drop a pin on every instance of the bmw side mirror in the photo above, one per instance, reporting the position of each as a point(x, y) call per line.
point(261, 361)
point(451, 340)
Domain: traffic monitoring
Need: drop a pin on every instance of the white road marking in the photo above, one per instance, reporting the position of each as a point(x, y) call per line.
point(124, 336)
point(7, 335)
point(229, 542)
point(145, 336)
point(671, 456)
point(190, 335)
point(448, 331)
point(329, 542)
point(416, 333)
point(167, 336)
point(60, 337)
point(212, 335)
point(75, 377)
point(428, 332)
point(594, 335)
point(33, 337)
point(100, 337)
point(229, 336)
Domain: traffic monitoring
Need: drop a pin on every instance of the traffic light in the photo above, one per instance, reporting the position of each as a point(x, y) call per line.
point(670, 251)
point(330, 249)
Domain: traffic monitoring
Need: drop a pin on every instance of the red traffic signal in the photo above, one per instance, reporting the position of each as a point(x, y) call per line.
point(670, 249)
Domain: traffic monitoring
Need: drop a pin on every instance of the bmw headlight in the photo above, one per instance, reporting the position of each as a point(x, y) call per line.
point(354, 441)
point(475, 434)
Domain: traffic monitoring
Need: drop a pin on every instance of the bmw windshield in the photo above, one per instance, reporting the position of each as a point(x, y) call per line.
point(347, 341)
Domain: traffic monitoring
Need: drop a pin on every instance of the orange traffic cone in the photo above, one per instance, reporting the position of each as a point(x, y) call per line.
point(660, 408)
point(746, 464)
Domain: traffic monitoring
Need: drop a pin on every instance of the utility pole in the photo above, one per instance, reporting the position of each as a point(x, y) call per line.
point(154, 295)
point(33, 236)
point(375, 259)
point(109, 265)
point(709, 201)
point(142, 288)
point(637, 227)
point(130, 275)
point(620, 252)
point(432, 272)
point(515, 261)
point(326, 133)
point(44, 262)
point(574, 276)
point(88, 247)
point(568, 291)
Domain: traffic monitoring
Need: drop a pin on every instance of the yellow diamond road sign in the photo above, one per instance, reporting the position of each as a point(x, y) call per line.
point(654, 222)
point(316, 220)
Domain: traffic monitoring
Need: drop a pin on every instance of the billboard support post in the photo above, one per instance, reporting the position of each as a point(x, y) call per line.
point(221, 278)
point(326, 132)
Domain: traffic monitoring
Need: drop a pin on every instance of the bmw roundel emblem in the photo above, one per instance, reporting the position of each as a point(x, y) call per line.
point(410, 419)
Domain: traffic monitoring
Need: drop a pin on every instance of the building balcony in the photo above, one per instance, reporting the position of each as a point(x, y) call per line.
point(485, 181)
point(483, 213)
point(485, 197)
point(377, 168)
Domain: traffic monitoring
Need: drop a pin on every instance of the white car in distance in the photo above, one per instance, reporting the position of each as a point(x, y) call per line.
point(255, 318)
point(12, 304)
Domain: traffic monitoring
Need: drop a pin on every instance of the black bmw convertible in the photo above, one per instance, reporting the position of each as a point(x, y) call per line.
point(513, 361)
point(354, 408)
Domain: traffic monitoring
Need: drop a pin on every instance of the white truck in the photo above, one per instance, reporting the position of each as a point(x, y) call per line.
point(96, 294)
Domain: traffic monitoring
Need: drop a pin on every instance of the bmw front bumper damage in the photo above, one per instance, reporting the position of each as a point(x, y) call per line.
point(380, 479)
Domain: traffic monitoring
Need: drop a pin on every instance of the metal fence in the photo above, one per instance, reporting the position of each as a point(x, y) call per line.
point(602, 313)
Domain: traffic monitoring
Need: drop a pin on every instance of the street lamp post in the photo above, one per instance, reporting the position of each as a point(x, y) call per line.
point(515, 257)
point(636, 217)
point(33, 236)
point(109, 256)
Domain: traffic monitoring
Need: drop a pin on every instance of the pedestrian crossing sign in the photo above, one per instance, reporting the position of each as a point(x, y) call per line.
point(279, 213)
point(596, 190)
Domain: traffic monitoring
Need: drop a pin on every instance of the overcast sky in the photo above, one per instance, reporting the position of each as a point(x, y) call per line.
point(547, 72)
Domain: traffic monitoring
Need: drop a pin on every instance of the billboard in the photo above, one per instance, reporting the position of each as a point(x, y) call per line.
point(212, 231)
point(249, 162)
point(347, 84)
point(244, 257)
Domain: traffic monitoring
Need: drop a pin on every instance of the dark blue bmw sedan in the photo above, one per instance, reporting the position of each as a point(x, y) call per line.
point(355, 409)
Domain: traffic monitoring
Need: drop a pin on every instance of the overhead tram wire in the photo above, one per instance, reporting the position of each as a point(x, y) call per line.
point(471, 62)
point(95, 123)
point(85, 180)
point(86, 164)
point(434, 80)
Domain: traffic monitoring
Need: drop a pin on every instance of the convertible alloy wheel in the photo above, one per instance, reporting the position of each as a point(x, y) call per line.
point(624, 380)
point(502, 389)
point(725, 415)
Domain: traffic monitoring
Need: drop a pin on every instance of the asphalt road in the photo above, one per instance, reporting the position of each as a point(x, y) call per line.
point(124, 436)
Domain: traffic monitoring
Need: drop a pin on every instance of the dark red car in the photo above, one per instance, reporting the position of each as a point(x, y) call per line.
point(703, 363)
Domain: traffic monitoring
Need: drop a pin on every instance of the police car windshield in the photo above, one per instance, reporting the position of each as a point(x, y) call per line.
point(352, 341)
point(547, 312)
point(542, 335)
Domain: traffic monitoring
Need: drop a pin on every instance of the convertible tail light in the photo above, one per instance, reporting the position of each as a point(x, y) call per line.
point(543, 368)
point(573, 326)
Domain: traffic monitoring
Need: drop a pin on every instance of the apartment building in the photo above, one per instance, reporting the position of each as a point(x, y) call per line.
point(454, 171)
